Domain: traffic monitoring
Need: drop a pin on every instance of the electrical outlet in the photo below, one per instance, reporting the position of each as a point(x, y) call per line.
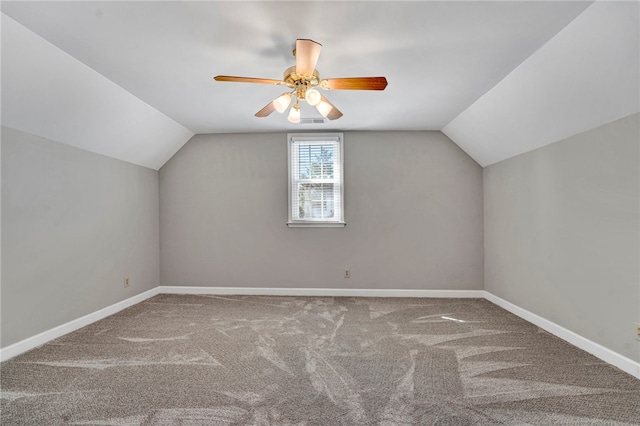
point(126, 281)
point(347, 273)
point(638, 331)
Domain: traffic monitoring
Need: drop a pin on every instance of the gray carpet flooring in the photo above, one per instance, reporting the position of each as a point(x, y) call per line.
point(249, 360)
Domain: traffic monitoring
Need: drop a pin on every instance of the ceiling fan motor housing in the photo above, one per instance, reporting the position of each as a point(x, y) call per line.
point(300, 83)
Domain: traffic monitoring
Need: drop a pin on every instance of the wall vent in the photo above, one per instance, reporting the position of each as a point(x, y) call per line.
point(312, 120)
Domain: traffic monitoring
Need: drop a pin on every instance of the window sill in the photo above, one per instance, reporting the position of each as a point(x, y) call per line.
point(316, 224)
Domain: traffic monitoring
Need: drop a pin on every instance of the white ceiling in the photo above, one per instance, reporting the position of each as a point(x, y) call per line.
point(133, 80)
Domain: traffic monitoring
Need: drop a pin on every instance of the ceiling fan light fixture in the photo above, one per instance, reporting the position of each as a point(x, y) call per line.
point(282, 102)
point(294, 114)
point(324, 108)
point(313, 97)
point(303, 81)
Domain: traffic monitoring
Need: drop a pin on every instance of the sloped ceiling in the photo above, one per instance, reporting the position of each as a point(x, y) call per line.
point(587, 75)
point(51, 94)
point(133, 80)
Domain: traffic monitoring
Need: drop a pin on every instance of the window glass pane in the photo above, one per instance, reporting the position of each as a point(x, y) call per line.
point(315, 200)
point(315, 161)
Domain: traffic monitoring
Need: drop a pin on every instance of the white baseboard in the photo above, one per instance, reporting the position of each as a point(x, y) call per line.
point(607, 355)
point(46, 336)
point(583, 343)
point(337, 292)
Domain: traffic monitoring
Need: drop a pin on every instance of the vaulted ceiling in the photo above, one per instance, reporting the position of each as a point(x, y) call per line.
point(133, 80)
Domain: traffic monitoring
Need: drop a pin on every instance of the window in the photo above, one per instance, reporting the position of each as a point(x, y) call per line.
point(315, 180)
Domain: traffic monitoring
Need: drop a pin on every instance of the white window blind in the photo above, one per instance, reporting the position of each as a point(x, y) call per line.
point(316, 180)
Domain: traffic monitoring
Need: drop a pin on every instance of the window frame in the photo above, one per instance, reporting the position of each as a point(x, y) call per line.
point(292, 138)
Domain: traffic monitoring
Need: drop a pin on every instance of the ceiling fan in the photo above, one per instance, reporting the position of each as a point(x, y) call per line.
point(304, 80)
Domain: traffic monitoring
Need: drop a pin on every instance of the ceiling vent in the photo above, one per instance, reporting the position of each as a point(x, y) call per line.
point(312, 120)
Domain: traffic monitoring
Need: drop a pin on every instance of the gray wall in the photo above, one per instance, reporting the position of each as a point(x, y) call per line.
point(562, 233)
point(413, 206)
point(74, 224)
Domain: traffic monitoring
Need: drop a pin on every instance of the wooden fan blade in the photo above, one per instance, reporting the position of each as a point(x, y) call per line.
point(334, 113)
point(246, 79)
point(307, 53)
point(268, 109)
point(354, 83)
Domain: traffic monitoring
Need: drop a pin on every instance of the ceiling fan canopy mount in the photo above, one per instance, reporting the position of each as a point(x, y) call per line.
point(304, 79)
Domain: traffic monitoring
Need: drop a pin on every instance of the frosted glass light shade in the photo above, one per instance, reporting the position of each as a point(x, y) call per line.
point(313, 97)
point(294, 114)
point(324, 108)
point(282, 102)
